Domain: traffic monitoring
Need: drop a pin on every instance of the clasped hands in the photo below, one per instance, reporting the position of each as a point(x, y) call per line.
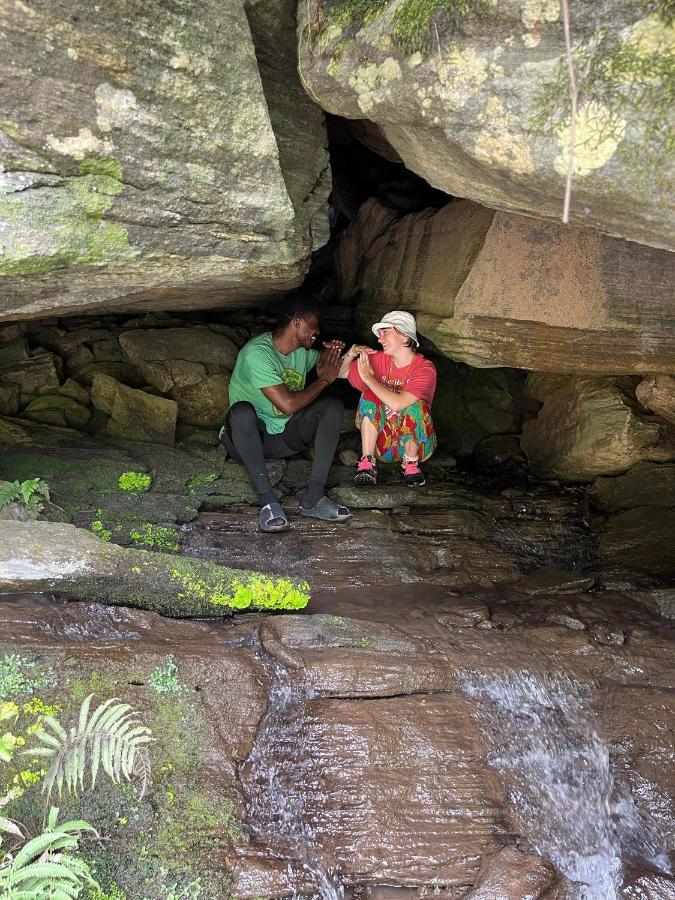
point(361, 352)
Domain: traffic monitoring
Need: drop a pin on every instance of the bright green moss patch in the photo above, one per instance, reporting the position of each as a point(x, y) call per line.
point(134, 481)
point(239, 591)
point(156, 537)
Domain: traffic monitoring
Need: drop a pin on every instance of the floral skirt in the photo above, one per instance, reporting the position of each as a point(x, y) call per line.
point(394, 430)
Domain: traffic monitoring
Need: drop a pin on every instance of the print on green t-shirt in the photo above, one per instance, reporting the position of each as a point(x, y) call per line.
point(260, 365)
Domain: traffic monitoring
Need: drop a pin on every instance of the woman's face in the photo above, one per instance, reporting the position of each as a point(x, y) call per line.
point(391, 340)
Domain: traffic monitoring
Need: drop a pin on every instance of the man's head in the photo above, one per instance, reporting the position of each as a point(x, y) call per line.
point(298, 318)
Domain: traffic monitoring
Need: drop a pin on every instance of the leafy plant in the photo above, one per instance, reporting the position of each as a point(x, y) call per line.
point(134, 481)
point(14, 680)
point(29, 492)
point(112, 738)
point(45, 867)
point(164, 679)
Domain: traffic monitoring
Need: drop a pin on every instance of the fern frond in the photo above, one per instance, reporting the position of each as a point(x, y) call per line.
point(9, 493)
point(41, 869)
point(111, 737)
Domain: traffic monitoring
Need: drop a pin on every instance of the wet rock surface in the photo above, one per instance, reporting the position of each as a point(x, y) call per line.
point(362, 745)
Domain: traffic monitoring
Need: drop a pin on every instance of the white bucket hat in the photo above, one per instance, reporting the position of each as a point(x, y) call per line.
point(401, 321)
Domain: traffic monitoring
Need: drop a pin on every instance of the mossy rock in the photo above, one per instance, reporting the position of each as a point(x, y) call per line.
point(56, 556)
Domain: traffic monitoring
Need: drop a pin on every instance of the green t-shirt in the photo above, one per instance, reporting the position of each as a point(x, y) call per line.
point(260, 365)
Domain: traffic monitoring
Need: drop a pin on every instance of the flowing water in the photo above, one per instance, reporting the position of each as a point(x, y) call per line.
point(563, 793)
point(276, 802)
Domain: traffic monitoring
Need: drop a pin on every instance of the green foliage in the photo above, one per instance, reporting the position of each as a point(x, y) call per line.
point(134, 481)
point(29, 492)
point(413, 20)
point(156, 537)
point(263, 592)
point(99, 528)
point(164, 679)
point(15, 680)
point(46, 867)
point(631, 85)
point(112, 738)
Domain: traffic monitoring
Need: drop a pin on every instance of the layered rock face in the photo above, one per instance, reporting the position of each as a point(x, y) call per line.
point(495, 289)
point(150, 160)
point(122, 379)
point(475, 98)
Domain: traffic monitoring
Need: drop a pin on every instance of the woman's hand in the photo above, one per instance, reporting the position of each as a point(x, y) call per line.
point(359, 349)
point(365, 369)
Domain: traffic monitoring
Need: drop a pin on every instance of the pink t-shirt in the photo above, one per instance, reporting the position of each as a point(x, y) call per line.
point(419, 378)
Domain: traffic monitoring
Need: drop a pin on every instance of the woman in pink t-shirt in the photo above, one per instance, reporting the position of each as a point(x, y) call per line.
point(394, 413)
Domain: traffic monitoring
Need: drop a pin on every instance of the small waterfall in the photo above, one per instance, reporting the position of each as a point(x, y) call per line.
point(275, 800)
point(560, 783)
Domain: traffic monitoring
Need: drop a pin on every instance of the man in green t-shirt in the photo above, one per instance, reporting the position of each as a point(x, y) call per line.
point(274, 415)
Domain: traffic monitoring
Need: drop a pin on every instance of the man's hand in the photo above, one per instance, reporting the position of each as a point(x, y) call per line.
point(328, 367)
point(365, 369)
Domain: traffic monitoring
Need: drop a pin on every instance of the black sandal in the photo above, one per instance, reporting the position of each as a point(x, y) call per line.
point(272, 518)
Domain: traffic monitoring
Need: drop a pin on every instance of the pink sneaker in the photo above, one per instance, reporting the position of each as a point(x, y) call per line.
point(412, 474)
point(366, 473)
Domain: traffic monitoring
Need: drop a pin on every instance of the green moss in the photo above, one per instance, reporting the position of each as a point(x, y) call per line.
point(107, 166)
point(201, 481)
point(413, 20)
point(352, 12)
point(156, 537)
point(134, 481)
point(112, 893)
point(63, 224)
point(244, 592)
point(100, 530)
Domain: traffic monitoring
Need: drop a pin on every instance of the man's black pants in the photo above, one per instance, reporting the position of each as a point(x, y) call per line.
point(247, 441)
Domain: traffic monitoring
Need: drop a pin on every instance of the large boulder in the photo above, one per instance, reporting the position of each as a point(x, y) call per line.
point(474, 97)
point(495, 289)
point(591, 426)
point(657, 393)
point(161, 354)
point(134, 415)
point(205, 403)
point(148, 157)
